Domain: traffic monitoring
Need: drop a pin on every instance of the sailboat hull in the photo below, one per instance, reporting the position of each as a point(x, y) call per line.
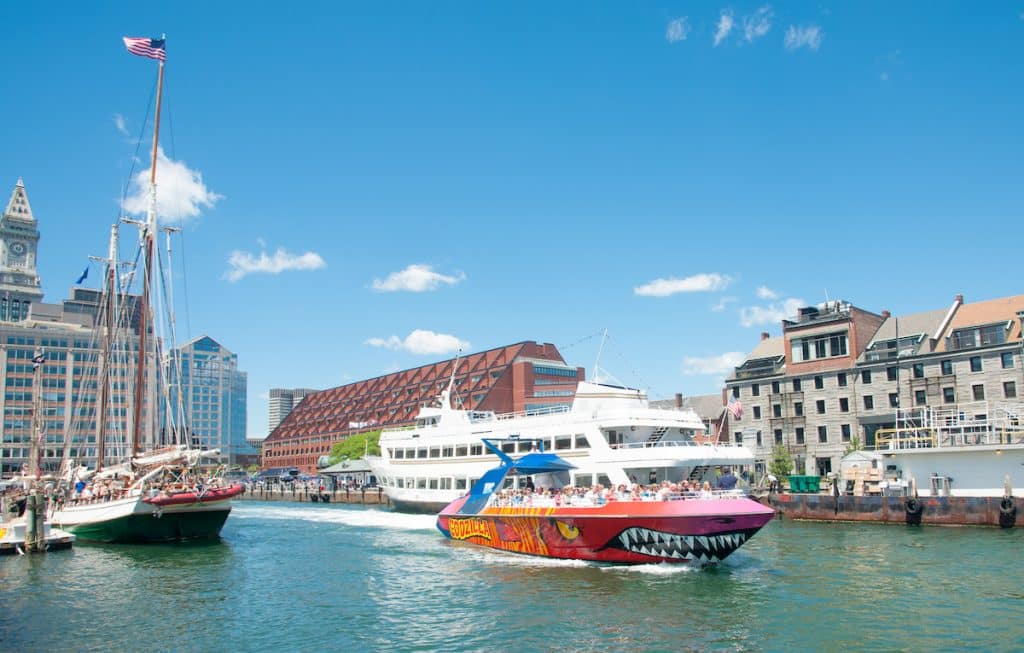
point(134, 521)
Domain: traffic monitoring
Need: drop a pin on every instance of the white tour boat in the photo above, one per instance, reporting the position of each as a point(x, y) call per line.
point(609, 433)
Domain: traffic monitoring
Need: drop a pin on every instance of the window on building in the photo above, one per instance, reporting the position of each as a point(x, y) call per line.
point(755, 390)
point(736, 392)
point(890, 373)
point(1007, 358)
point(797, 385)
point(920, 398)
point(737, 437)
point(978, 336)
point(865, 376)
point(947, 368)
point(918, 370)
point(760, 441)
point(869, 402)
point(841, 379)
point(818, 347)
point(776, 410)
point(1010, 389)
point(844, 404)
point(894, 400)
point(845, 431)
point(799, 435)
point(819, 382)
point(798, 408)
point(822, 433)
point(949, 395)
point(757, 412)
point(975, 363)
point(978, 390)
point(820, 406)
point(775, 387)
point(778, 436)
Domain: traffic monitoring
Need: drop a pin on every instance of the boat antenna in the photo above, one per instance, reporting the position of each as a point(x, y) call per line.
point(446, 394)
point(597, 361)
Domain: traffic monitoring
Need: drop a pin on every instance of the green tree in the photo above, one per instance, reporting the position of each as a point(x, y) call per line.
point(781, 463)
point(355, 446)
point(853, 445)
point(253, 468)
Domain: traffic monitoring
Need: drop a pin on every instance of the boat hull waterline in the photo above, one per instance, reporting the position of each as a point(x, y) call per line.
point(697, 531)
point(136, 520)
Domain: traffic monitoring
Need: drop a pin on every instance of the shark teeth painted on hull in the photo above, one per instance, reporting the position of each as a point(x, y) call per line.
point(704, 549)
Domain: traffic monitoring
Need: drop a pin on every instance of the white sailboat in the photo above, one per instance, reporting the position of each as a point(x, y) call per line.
point(147, 495)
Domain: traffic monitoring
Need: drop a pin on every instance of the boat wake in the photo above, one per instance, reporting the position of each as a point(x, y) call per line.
point(324, 515)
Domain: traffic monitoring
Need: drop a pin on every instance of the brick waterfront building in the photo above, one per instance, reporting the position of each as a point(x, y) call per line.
point(521, 377)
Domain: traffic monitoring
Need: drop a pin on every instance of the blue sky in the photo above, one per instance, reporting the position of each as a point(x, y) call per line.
point(366, 187)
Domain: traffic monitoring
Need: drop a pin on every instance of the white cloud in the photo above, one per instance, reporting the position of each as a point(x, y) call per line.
point(757, 24)
point(421, 341)
point(799, 37)
point(773, 313)
point(180, 191)
point(720, 365)
point(721, 304)
point(764, 292)
point(416, 278)
point(244, 263)
point(703, 282)
point(725, 24)
point(678, 29)
point(120, 124)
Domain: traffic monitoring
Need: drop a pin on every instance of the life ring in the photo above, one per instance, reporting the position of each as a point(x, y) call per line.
point(914, 508)
point(1007, 512)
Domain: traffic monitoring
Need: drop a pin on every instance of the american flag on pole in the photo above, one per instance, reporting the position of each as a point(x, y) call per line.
point(152, 48)
point(735, 407)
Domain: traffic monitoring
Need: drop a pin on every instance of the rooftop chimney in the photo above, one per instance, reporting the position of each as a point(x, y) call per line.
point(886, 314)
point(959, 299)
point(764, 335)
point(679, 400)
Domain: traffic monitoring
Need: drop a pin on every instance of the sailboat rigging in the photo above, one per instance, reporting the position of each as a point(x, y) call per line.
point(151, 494)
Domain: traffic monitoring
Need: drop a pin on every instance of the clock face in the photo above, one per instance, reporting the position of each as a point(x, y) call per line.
point(18, 248)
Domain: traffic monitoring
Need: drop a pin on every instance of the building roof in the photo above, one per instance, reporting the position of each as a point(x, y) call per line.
point(347, 467)
point(770, 347)
point(706, 406)
point(992, 311)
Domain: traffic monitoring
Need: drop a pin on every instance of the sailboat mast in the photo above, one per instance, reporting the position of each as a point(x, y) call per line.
point(147, 234)
point(108, 338)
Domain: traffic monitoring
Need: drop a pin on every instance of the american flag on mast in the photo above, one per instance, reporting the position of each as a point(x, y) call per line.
point(152, 48)
point(735, 407)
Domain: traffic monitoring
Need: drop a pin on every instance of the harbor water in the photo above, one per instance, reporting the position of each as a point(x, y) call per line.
point(306, 577)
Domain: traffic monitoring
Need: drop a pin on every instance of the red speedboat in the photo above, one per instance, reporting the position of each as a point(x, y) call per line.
point(675, 528)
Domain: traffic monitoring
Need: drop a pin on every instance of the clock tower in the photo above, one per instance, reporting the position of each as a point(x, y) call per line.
point(19, 239)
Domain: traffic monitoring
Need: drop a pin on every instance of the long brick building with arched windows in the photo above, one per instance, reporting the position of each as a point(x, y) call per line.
point(519, 377)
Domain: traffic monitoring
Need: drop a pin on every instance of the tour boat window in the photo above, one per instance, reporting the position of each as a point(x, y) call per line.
point(525, 446)
point(476, 450)
point(435, 452)
point(507, 483)
point(433, 483)
point(582, 480)
point(421, 484)
point(563, 442)
point(446, 483)
point(410, 453)
point(581, 441)
point(508, 447)
point(421, 453)
point(604, 480)
point(446, 452)
point(460, 452)
point(399, 482)
point(396, 453)
point(460, 484)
